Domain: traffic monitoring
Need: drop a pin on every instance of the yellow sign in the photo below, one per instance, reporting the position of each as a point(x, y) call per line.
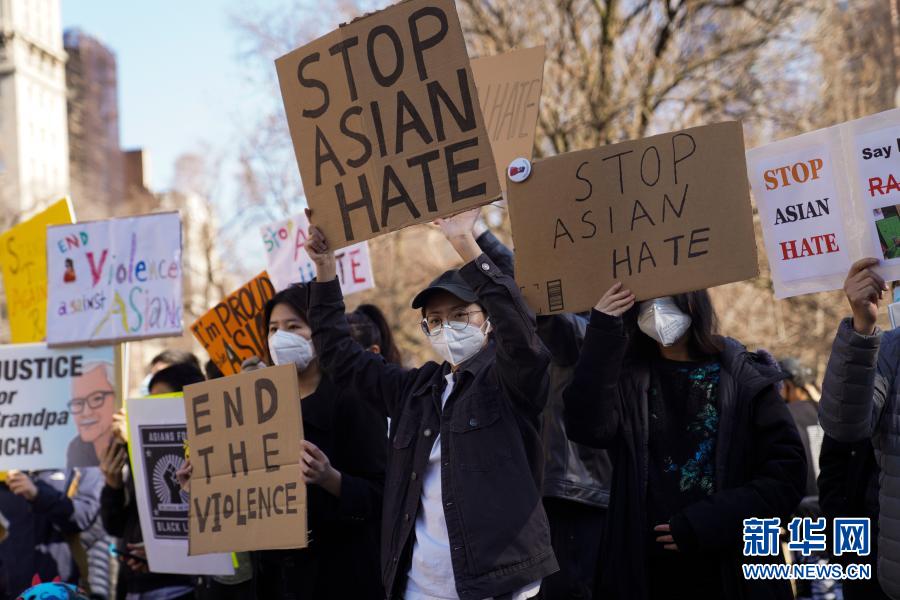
point(23, 258)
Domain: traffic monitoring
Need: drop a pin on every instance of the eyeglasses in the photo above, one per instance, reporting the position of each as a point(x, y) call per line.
point(94, 400)
point(459, 320)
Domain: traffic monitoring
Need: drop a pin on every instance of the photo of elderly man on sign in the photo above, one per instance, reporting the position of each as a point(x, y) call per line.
point(92, 407)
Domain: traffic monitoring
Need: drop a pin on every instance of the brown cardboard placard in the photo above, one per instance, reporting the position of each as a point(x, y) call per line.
point(244, 433)
point(509, 91)
point(233, 330)
point(385, 122)
point(664, 215)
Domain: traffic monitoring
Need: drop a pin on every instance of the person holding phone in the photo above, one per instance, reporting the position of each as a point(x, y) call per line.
point(119, 507)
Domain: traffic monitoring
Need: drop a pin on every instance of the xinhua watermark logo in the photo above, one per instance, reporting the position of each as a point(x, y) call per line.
point(807, 536)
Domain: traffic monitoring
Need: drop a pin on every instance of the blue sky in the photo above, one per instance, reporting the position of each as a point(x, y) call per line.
point(181, 82)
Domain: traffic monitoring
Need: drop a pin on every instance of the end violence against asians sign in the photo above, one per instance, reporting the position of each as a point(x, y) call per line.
point(385, 122)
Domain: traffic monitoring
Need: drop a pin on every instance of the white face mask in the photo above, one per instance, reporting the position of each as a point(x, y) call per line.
point(457, 347)
point(145, 386)
point(663, 321)
point(286, 348)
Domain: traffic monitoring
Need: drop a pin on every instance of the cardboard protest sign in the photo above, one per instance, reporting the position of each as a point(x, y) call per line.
point(56, 406)
point(234, 329)
point(385, 122)
point(118, 279)
point(663, 215)
point(827, 199)
point(23, 258)
point(509, 92)
point(289, 262)
point(244, 433)
point(157, 431)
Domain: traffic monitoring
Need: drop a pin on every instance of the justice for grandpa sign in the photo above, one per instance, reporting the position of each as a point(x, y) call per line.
point(114, 280)
point(56, 406)
point(385, 122)
point(663, 215)
point(244, 433)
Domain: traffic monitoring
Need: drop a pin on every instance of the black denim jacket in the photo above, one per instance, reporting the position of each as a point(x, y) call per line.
point(492, 460)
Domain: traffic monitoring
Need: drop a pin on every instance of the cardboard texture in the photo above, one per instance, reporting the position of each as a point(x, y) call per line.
point(385, 122)
point(244, 433)
point(114, 280)
point(663, 215)
point(289, 262)
point(234, 329)
point(58, 406)
point(509, 92)
point(828, 198)
point(157, 430)
point(23, 258)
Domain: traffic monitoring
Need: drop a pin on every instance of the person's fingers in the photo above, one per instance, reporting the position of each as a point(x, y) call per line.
point(625, 301)
point(671, 547)
point(869, 292)
point(665, 539)
point(663, 527)
point(618, 295)
point(872, 278)
point(861, 265)
point(612, 290)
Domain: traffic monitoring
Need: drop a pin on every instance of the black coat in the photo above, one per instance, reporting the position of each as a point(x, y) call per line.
point(572, 471)
point(341, 560)
point(490, 440)
point(760, 461)
point(118, 509)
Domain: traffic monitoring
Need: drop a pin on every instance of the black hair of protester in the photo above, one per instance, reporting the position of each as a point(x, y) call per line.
point(369, 327)
point(175, 357)
point(212, 371)
point(178, 376)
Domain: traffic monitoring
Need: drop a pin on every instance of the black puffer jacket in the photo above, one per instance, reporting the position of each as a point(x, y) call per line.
point(760, 463)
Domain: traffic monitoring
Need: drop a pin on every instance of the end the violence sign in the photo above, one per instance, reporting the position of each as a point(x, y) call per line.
point(385, 122)
point(244, 433)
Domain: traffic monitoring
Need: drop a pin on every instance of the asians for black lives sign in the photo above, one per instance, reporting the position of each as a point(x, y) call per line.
point(56, 406)
point(827, 199)
point(386, 124)
point(663, 215)
point(244, 434)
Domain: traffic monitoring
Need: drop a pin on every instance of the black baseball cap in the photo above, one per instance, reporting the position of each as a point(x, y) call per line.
point(450, 281)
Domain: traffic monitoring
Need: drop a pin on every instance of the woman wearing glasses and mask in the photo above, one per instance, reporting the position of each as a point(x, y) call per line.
point(462, 509)
point(700, 440)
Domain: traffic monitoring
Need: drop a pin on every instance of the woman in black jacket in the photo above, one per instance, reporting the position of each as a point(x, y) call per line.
point(462, 508)
point(343, 459)
point(700, 441)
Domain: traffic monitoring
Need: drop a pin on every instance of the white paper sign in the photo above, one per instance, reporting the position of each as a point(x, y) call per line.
point(56, 406)
point(156, 431)
point(827, 199)
point(289, 263)
point(118, 279)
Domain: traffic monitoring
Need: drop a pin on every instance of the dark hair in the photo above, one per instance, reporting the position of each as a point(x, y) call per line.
point(369, 327)
point(703, 340)
point(176, 357)
point(297, 297)
point(213, 371)
point(177, 376)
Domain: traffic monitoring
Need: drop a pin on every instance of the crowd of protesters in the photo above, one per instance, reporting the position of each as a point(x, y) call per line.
point(609, 455)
